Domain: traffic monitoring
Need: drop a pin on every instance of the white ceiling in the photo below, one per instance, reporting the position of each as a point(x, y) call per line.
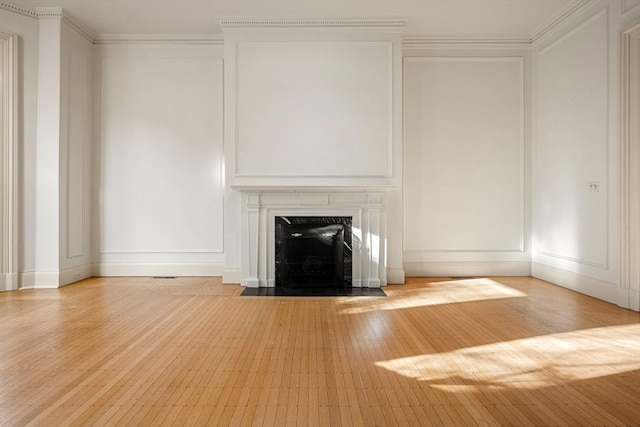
point(426, 17)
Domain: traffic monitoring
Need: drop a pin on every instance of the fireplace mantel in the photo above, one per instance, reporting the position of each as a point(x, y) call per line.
point(260, 207)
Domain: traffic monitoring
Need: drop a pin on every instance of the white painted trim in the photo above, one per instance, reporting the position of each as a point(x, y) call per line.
point(575, 30)
point(29, 13)
point(197, 39)
point(600, 289)
point(396, 24)
point(629, 178)
point(54, 279)
point(45, 279)
point(465, 269)
point(74, 274)
point(8, 282)
point(9, 162)
point(434, 40)
point(167, 252)
point(26, 280)
point(560, 18)
point(395, 276)
point(231, 275)
point(158, 269)
point(60, 14)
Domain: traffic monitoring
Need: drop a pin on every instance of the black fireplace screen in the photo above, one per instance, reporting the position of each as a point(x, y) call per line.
point(313, 252)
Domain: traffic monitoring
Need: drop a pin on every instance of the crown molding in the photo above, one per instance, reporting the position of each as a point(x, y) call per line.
point(396, 24)
point(206, 39)
point(19, 10)
point(57, 13)
point(558, 19)
point(429, 40)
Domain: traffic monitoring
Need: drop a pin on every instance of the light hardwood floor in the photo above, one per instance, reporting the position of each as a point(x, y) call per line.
point(191, 351)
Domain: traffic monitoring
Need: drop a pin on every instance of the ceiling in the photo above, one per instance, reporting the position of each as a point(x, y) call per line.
point(502, 18)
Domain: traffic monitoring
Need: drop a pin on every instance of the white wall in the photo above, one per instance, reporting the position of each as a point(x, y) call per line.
point(26, 28)
point(466, 154)
point(159, 118)
point(575, 147)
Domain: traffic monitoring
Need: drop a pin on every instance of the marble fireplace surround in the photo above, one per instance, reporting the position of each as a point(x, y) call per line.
point(261, 207)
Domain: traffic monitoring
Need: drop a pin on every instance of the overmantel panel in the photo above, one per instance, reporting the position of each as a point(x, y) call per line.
point(314, 109)
point(313, 103)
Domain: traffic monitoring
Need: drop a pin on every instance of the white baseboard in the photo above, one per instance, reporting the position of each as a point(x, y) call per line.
point(26, 280)
point(231, 276)
point(395, 276)
point(633, 301)
point(54, 279)
point(596, 288)
point(39, 280)
point(75, 274)
point(8, 282)
point(464, 269)
point(157, 269)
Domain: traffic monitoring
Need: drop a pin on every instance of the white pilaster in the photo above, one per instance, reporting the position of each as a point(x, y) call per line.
point(48, 152)
point(9, 163)
point(374, 237)
point(253, 218)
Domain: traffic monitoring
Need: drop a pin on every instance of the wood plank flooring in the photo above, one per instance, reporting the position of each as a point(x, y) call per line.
point(435, 352)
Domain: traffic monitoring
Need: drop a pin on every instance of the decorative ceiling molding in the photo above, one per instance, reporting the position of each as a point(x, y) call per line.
point(19, 10)
point(417, 40)
point(424, 40)
point(207, 39)
point(59, 13)
point(396, 24)
point(558, 19)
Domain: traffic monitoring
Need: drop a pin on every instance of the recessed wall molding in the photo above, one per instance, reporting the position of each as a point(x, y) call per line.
point(265, 80)
point(200, 39)
point(587, 41)
point(77, 134)
point(378, 23)
point(438, 246)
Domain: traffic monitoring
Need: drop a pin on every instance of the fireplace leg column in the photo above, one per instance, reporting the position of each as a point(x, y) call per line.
point(253, 210)
point(374, 239)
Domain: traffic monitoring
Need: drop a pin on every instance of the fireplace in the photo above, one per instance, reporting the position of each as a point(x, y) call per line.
point(329, 238)
point(313, 252)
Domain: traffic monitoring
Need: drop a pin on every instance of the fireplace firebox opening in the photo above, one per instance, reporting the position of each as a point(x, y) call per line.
point(313, 251)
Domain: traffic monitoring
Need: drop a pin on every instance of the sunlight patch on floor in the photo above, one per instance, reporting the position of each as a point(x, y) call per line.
point(435, 293)
point(528, 363)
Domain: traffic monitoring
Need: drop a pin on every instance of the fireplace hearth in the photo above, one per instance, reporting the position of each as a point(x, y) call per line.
point(313, 252)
